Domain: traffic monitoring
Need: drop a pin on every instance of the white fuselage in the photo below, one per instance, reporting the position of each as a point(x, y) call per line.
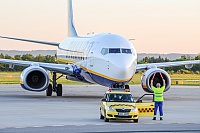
point(105, 59)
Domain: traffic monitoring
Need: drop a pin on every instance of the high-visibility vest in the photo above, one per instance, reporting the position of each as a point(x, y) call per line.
point(158, 93)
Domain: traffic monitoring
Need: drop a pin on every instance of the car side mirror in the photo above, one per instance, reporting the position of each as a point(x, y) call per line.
point(103, 100)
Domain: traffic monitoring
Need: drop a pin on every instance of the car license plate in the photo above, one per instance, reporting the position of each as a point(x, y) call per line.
point(123, 114)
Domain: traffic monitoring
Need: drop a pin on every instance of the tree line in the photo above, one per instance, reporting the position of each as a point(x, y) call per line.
point(52, 59)
point(25, 57)
point(176, 69)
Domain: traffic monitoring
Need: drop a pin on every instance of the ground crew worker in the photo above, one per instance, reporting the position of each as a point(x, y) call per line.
point(158, 97)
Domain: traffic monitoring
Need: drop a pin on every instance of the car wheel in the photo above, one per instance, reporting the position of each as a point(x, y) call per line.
point(105, 119)
point(135, 120)
point(101, 116)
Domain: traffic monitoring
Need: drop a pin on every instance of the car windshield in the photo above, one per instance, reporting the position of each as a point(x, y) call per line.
point(120, 98)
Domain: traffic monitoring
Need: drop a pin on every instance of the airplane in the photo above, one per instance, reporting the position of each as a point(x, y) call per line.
point(106, 59)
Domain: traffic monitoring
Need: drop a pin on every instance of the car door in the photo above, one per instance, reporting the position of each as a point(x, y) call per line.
point(145, 109)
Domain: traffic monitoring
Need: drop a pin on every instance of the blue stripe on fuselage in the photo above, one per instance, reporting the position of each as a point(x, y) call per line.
point(104, 81)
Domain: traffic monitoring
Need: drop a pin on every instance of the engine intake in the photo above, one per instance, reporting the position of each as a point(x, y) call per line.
point(34, 78)
point(148, 75)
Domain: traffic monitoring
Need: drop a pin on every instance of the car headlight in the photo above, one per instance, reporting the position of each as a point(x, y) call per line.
point(111, 109)
point(134, 109)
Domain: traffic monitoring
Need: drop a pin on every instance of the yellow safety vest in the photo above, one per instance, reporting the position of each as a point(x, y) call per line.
point(158, 93)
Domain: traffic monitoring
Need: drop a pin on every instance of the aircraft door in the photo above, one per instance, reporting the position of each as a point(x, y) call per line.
point(87, 54)
point(90, 55)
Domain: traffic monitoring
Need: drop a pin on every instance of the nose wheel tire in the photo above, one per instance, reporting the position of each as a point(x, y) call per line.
point(49, 90)
point(59, 90)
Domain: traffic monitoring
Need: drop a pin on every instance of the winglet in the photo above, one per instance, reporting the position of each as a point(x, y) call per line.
point(71, 28)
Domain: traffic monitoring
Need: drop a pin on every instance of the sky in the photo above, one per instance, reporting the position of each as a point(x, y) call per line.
point(158, 26)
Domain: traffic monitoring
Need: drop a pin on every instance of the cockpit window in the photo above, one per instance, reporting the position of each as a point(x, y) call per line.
point(114, 50)
point(133, 52)
point(127, 51)
point(105, 51)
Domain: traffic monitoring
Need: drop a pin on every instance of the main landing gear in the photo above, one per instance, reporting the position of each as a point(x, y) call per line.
point(54, 87)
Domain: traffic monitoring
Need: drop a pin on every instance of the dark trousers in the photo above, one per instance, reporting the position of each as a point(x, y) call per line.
point(160, 105)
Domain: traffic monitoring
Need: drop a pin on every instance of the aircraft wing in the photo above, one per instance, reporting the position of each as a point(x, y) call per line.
point(165, 64)
point(33, 41)
point(60, 68)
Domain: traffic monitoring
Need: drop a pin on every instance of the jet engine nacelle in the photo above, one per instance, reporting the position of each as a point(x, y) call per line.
point(34, 78)
point(148, 75)
point(189, 66)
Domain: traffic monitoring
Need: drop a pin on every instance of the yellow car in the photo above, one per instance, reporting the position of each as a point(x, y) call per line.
point(120, 105)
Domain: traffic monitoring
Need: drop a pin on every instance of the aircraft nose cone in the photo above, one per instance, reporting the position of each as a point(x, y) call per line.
point(122, 62)
point(124, 68)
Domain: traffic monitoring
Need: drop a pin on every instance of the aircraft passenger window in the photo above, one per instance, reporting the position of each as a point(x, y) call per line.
point(104, 51)
point(127, 51)
point(114, 50)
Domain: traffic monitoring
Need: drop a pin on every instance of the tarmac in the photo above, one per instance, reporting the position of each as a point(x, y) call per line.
point(78, 111)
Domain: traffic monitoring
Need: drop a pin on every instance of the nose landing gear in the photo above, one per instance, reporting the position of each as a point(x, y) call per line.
point(54, 87)
point(120, 86)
